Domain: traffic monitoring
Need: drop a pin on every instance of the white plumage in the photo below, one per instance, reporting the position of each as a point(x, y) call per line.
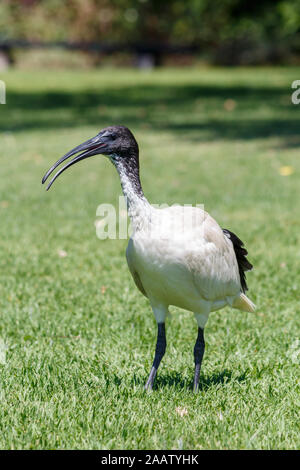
point(196, 270)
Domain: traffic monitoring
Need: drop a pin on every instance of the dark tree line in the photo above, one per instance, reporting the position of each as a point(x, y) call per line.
point(232, 31)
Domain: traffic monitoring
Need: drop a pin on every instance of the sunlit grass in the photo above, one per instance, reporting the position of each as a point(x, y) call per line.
point(77, 338)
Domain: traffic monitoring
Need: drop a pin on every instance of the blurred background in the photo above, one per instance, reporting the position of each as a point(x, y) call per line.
point(148, 33)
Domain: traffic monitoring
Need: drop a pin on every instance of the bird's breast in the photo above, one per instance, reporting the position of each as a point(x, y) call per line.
point(184, 266)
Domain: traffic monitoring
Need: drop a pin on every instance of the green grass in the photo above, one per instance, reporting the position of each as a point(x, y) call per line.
point(77, 338)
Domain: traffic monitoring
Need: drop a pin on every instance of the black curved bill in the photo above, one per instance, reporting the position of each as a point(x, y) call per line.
point(90, 147)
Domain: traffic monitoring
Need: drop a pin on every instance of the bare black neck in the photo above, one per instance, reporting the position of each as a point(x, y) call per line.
point(128, 169)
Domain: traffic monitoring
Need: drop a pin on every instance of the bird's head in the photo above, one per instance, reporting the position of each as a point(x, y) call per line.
point(116, 142)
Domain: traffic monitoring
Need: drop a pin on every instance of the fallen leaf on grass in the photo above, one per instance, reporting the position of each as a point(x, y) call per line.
point(181, 411)
point(229, 105)
point(62, 253)
point(286, 170)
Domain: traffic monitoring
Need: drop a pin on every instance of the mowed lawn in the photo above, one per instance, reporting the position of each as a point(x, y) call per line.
point(77, 338)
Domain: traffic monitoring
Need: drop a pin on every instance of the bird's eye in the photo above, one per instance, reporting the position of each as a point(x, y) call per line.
point(113, 136)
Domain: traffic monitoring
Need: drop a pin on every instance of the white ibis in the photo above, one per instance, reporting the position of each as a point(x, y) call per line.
point(176, 257)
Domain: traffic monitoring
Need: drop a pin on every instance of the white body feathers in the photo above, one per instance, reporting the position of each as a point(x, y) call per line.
point(180, 256)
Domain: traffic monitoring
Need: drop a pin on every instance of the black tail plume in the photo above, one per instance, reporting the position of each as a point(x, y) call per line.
point(240, 253)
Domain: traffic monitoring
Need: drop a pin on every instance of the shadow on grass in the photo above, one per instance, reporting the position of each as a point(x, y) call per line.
point(220, 378)
point(174, 379)
point(191, 111)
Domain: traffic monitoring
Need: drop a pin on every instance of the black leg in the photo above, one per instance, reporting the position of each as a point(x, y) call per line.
point(198, 355)
point(159, 353)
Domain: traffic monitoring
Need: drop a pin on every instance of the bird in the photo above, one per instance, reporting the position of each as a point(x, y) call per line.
point(177, 255)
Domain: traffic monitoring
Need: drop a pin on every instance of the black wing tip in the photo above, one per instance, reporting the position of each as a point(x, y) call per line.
point(240, 253)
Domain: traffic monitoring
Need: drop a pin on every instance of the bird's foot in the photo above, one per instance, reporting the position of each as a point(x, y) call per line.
point(196, 378)
point(150, 381)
